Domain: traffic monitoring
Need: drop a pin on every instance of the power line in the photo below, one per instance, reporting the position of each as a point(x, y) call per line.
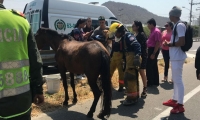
point(191, 5)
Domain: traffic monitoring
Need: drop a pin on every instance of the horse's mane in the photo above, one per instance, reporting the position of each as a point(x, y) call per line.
point(55, 33)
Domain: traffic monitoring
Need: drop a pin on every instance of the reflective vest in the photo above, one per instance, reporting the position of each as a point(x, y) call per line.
point(14, 60)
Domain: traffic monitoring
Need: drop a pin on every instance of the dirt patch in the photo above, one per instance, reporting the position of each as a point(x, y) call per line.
point(54, 101)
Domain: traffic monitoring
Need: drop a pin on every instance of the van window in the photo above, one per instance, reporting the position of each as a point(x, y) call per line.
point(27, 15)
point(95, 23)
point(35, 19)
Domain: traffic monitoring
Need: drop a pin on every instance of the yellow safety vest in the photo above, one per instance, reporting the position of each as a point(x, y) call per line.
point(14, 60)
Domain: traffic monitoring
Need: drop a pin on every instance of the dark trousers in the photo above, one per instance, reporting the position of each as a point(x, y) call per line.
point(166, 60)
point(152, 68)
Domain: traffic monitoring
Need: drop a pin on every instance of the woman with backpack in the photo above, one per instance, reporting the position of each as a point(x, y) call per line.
point(166, 36)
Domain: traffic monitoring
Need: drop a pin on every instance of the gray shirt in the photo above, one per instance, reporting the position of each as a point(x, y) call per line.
point(99, 31)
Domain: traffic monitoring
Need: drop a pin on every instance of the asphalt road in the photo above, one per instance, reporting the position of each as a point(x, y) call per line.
point(146, 109)
point(150, 108)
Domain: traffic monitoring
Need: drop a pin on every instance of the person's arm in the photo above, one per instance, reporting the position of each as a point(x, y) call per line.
point(143, 44)
point(180, 29)
point(36, 80)
point(135, 44)
point(94, 33)
point(158, 42)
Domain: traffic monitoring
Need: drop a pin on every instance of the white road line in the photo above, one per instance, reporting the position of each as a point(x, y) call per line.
point(186, 98)
point(193, 50)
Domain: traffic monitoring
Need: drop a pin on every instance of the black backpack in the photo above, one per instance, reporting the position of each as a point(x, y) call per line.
point(188, 37)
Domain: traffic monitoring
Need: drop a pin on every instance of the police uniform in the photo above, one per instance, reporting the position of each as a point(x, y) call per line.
point(132, 51)
point(20, 66)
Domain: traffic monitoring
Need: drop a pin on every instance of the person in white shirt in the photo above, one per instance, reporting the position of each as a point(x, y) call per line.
point(177, 59)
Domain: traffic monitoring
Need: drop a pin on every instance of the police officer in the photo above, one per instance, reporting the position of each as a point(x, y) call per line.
point(132, 50)
point(20, 67)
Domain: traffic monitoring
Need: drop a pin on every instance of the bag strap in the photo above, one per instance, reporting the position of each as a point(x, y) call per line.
point(175, 33)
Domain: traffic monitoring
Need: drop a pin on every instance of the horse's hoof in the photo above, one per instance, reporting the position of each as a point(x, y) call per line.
point(90, 115)
point(74, 101)
point(100, 116)
point(65, 103)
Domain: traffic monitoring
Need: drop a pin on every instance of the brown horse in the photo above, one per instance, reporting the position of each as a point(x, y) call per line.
point(90, 58)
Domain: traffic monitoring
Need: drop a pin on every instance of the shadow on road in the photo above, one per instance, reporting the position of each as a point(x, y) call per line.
point(166, 86)
point(180, 116)
point(69, 115)
point(153, 90)
point(129, 111)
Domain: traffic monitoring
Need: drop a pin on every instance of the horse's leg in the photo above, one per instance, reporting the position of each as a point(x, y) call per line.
point(96, 93)
point(64, 80)
point(73, 88)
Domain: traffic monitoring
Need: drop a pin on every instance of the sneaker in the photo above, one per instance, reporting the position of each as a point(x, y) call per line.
point(177, 109)
point(171, 103)
point(83, 75)
point(79, 77)
point(144, 93)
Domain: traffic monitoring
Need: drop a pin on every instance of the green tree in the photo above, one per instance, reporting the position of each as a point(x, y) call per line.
point(146, 30)
point(195, 31)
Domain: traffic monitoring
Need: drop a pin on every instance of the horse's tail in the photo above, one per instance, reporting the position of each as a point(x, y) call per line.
point(106, 84)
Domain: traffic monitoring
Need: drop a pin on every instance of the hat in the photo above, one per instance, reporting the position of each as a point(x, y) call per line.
point(176, 12)
point(76, 31)
point(101, 18)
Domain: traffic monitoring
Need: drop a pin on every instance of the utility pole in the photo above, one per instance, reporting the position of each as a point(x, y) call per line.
point(191, 4)
point(191, 11)
point(199, 24)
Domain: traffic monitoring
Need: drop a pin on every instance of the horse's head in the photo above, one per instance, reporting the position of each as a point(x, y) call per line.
point(41, 38)
point(48, 36)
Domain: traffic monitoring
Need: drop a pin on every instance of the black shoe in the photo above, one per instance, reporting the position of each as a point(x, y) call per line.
point(127, 102)
point(149, 85)
point(120, 89)
point(144, 93)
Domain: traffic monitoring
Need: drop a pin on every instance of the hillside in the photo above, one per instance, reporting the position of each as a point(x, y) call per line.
point(133, 12)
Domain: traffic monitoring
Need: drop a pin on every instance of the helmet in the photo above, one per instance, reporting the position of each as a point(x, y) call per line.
point(113, 28)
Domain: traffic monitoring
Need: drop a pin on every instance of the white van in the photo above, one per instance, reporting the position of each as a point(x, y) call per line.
point(62, 15)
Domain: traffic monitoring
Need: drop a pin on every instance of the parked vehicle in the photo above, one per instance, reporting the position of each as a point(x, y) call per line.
point(62, 15)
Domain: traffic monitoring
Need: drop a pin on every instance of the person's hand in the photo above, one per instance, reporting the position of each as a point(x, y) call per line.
point(152, 56)
point(137, 61)
point(38, 99)
point(165, 43)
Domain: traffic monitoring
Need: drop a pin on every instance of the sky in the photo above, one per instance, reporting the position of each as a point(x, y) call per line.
point(158, 7)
